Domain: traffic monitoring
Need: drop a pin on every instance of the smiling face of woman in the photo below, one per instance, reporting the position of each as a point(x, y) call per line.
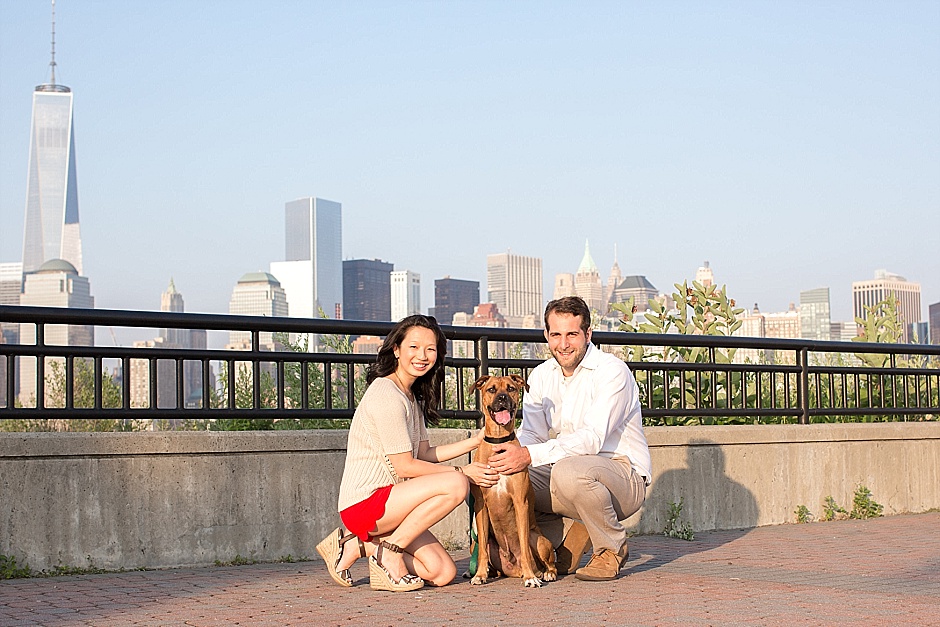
point(416, 354)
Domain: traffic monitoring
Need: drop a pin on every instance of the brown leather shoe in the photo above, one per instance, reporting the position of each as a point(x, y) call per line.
point(569, 553)
point(603, 566)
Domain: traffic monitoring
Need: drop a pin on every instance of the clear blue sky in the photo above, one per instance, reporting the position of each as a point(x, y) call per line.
point(794, 145)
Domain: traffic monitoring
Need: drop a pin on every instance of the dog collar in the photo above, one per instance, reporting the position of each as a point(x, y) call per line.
point(502, 440)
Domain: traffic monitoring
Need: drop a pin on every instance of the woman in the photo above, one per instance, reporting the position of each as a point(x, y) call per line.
point(393, 490)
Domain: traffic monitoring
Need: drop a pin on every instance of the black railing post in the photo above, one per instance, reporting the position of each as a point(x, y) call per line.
point(180, 390)
point(153, 382)
point(256, 368)
point(803, 387)
point(328, 385)
point(41, 366)
point(280, 385)
point(482, 348)
point(99, 383)
point(206, 395)
point(126, 382)
point(230, 376)
point(69, 383)
point(12, 367)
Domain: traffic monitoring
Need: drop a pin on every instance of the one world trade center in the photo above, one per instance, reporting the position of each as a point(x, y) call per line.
point(51, 225)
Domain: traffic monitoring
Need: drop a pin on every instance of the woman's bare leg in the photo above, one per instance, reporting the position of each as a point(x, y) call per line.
point(351, 553)
point(429, 560)
point(412, 508)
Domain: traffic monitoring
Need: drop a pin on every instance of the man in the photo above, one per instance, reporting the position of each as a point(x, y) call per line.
point(582, 435)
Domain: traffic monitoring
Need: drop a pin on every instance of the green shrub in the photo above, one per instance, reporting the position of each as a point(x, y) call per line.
point(803, 515)
point(863, 506)
point(833, 511)
point(675, 527)
point(10, 570)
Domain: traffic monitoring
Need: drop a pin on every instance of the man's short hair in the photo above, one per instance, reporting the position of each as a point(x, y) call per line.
point(572, 306)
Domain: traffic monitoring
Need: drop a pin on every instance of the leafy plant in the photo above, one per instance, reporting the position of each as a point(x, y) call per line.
point(833, 511)
point(9, 569)
point(238, 560)
point(675, 526)
point(293, 383)
point(60, 570)
point(803, 515)
point(83, 397)
point(881, 324)
point(863, 506)
point(699, 310)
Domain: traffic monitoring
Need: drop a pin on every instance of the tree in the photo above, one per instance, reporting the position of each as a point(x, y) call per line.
point(700, 310)
point(83, 397)
point(340, 380)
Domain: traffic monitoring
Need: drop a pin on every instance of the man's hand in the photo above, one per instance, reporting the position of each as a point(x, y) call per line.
point(508, 459)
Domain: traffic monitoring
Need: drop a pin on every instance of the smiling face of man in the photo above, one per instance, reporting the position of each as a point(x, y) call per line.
point(567, 341)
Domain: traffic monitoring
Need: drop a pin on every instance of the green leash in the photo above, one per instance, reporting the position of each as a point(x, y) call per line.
point(474, 545)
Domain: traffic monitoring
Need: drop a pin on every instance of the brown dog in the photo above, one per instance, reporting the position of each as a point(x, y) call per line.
point(507, 535)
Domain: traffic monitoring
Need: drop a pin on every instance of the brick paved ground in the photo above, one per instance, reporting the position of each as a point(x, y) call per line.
point(884, 572)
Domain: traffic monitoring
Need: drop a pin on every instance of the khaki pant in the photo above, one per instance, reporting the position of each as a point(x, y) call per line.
point(598, 491)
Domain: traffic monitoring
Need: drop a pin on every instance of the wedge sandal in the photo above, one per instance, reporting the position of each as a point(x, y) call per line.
point(381, 579)
point(331, 550)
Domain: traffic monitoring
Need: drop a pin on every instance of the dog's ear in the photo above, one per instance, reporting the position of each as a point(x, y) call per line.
point(518, 380)
point(481, 382)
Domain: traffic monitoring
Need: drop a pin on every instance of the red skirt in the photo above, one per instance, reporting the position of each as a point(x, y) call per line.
point(360, 518)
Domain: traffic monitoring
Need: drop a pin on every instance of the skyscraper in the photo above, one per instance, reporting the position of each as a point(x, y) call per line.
point(312, 273)
point(172, 301)
point(934, 315)
point(256, 294)
point(783, 324)
point(613, 279)
point(871, 292)
point(484, 315)
point(587, 283)
point(514, 283)
point(453, 296)
point(51, 224)
point(11, 287)
point(367, 290)
point(406, 294)
point(637, 287)
point(55, 284)
point(815, 322)
point(3, 376)
point(704, 275)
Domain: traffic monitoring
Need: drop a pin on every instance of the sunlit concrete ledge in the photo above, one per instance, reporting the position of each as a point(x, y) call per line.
point(164, 499)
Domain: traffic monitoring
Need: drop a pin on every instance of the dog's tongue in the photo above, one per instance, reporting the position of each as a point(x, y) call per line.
point(502, 417)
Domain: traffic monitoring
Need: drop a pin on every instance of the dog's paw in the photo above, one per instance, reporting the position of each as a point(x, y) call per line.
point(478, 581)
point(550, 575)
point(532, 582)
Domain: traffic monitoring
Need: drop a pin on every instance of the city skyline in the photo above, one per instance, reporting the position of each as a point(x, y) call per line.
point(675, 136)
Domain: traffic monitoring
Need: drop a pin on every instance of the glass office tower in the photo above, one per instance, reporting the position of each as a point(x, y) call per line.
point(314, 234)
point(51, 224)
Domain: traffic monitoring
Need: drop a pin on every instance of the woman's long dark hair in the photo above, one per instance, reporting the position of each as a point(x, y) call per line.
point(427, 387)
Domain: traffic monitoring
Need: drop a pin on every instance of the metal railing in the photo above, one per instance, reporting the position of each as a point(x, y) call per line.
point(789, 380)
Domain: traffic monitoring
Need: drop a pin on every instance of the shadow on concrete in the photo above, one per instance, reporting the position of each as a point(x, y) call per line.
point(711, 500)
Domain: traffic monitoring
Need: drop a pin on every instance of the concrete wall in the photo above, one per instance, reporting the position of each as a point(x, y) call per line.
point(129, 500)
point(747, 476)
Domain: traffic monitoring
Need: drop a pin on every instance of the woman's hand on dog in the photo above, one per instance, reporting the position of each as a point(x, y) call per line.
point(481, 474)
